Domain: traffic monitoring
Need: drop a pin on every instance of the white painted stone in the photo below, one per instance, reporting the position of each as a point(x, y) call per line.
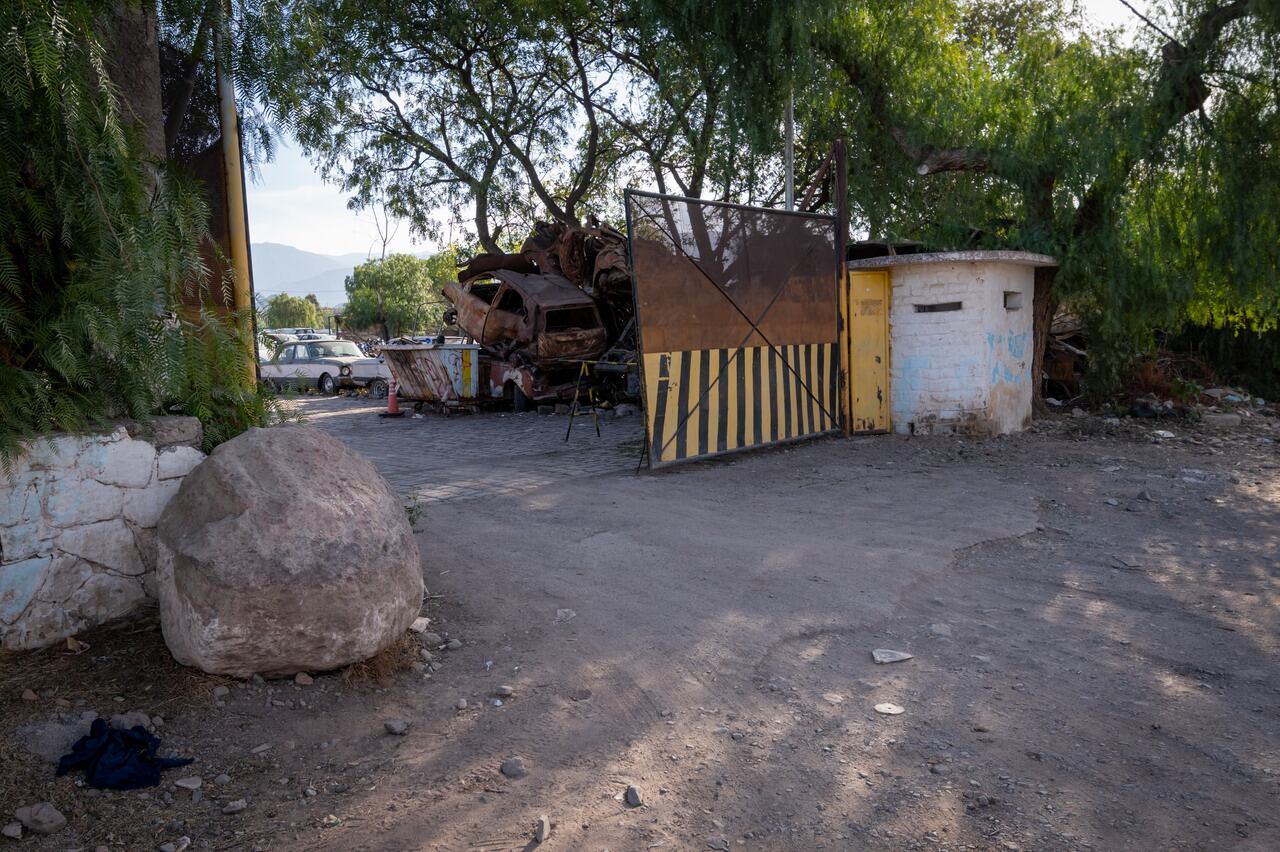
point(108, 543)
point(77, 530)
point(178, 461)
point(18, 584)
point(82, 501)
point(119, 460)
point(143, 506)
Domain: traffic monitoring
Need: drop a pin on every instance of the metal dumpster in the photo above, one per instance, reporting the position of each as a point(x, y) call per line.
point(445, 375)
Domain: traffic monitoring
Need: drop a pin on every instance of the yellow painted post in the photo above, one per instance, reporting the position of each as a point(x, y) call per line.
point(868, 397)
point(237, 216)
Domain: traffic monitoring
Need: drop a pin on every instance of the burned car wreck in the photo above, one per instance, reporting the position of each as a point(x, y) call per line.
point(540, 315)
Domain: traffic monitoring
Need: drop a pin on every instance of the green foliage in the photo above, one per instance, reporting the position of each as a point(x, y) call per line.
point(394, 295)
point(285, 311)
point(1147, 166)
point(97, 250)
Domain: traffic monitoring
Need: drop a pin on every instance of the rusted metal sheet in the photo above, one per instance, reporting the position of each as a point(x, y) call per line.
point(447, 373)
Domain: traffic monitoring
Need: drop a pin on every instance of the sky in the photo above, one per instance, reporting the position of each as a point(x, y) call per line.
point(290, 204)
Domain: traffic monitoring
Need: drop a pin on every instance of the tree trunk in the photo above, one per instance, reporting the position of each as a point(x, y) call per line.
point(133, 62)
point(1043, 306)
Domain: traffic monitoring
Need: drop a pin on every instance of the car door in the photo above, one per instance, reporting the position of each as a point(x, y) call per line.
point(309, 366)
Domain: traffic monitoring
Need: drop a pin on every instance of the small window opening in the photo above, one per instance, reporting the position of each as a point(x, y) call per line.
point(511, 301)
point(572, 319)
point(939, 307)
point(1012, 300)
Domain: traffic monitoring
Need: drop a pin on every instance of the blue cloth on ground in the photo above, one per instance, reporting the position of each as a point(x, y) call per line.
point(113, 759)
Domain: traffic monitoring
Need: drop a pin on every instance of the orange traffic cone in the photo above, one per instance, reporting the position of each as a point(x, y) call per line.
point(393, 404)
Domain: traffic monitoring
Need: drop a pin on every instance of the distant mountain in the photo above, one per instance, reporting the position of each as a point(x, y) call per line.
point(279, 268)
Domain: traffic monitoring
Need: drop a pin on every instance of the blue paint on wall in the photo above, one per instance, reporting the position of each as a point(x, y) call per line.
point(1018, 344)
point(18, 584)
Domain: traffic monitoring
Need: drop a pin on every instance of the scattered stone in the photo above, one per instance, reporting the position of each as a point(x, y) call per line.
point(132, 719)
point(434, 639)
point(885, 655)
point(235, 807)
point(420, 624)
point(28, 695)
point(453, 644)
point(303, 679)
point(1111, 501)
point(939, 768)
point(460, 704)
point(633, 797)
point(563, 615)
point(222, 780)
point(178, 845)
point(1164, 434)
point(239, 586)
point(398, 727)
point(42, 817)
point(1220, 420)
point(330, 821)
point(259, 749)
point(13, 829)
point(1145, 496)
point(157, 721)
point(194, 782)
point(504, 691)
point(543, 830)
point(221, 692)
point(833, 698)
point(889, 709)
point(495, 702)
point(513, 767)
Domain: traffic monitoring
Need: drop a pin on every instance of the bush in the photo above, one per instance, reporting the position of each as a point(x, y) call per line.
point(97, 247)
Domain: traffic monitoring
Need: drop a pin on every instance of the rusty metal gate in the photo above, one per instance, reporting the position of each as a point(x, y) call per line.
point(737, 312)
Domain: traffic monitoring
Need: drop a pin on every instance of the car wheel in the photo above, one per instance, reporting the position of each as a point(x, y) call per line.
point(519, 402)
point(327, 385)
point(378, 389)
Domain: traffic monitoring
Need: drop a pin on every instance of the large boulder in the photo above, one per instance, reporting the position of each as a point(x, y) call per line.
point(284, 551)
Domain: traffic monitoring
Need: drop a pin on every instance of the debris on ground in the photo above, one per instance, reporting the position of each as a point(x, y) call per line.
point(633, 797)
point(543, 829)
point(115, 759)
point(889, 709)
point(513, 767)
point(396, 727)
point(885, 655)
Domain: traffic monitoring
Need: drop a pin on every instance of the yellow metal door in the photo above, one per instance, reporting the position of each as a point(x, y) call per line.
point(868, 302)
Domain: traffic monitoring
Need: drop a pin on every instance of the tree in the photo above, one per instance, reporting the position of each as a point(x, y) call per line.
point(99, 240)
point(394, 295)
point(285, 311)
point(1145, 169)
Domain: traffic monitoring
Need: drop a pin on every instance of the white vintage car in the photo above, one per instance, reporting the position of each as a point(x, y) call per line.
point(325, 365)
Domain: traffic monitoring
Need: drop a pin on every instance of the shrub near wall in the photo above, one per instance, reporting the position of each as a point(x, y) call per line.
point(77, 526)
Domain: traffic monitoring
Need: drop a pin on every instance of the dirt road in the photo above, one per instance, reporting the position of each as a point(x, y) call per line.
point(1093, 619)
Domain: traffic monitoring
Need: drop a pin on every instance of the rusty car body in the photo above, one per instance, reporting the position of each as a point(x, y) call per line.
point(536, 328)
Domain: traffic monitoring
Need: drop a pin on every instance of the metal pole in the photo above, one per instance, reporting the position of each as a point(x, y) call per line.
point(791, 150)
point(237, 217)
point(840, 162)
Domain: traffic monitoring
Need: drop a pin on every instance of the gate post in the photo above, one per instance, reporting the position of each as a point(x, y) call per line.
point(840, 153)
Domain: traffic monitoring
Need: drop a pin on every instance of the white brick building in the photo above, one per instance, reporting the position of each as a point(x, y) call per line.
point(960, 340)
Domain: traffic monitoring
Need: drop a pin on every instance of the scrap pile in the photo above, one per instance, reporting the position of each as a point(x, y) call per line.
point(593, 258)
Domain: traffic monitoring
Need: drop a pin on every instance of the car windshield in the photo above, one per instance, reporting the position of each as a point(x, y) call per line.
point(333, 349)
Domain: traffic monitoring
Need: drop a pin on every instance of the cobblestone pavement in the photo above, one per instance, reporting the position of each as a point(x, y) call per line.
point(465, 456)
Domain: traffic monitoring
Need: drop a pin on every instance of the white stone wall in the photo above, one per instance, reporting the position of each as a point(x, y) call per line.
point(965, 371)
point(77, 528)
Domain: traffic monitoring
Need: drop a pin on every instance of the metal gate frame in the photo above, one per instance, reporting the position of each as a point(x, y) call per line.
point(830, 414)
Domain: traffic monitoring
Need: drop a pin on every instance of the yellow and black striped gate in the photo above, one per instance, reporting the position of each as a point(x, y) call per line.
point(736, 311)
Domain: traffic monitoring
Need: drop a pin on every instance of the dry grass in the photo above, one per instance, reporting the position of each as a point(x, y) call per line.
point(396, 657)
point(114, 668)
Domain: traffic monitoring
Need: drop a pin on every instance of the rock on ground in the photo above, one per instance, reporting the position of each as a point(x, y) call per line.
point(284, 552)
point(42, 818)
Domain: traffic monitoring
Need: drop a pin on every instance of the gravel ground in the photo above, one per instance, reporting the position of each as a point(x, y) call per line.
point(1093, 615)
